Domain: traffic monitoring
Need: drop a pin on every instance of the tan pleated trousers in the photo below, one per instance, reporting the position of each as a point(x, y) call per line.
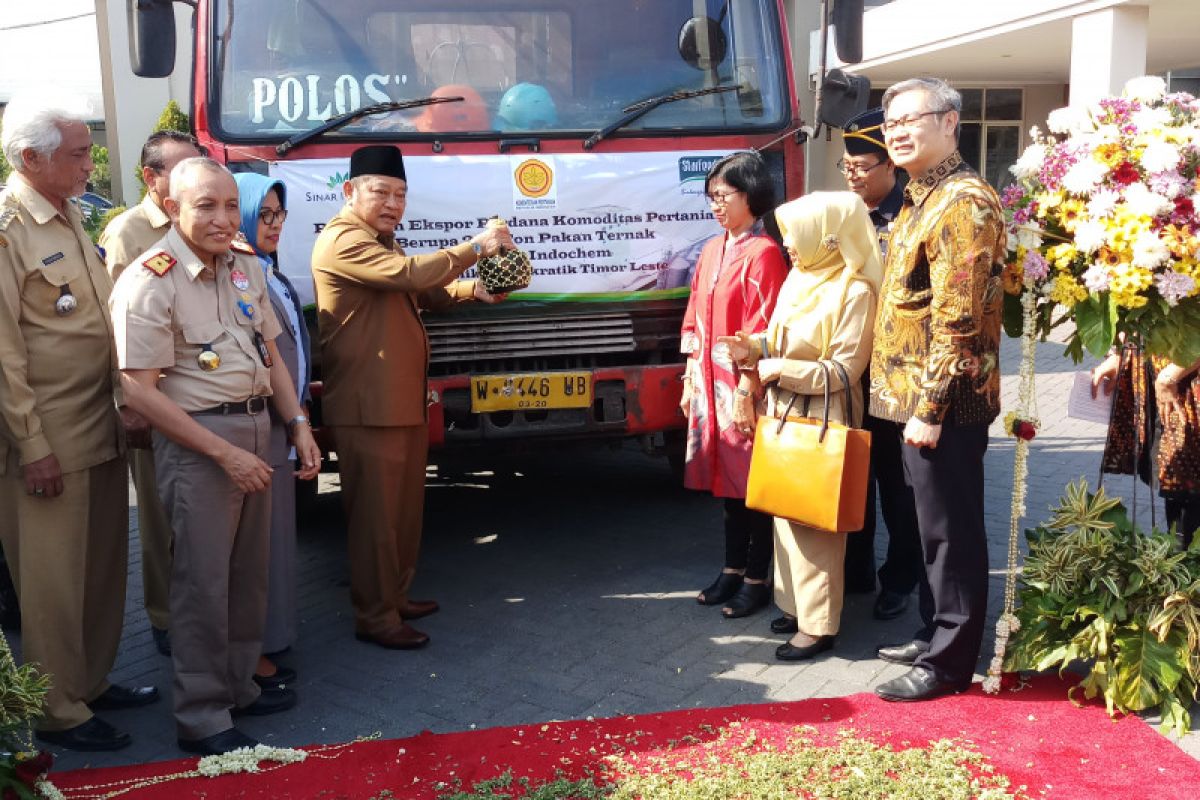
point(810, 577)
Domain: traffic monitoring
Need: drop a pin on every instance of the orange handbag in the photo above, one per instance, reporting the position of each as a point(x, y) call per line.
point(811, 471)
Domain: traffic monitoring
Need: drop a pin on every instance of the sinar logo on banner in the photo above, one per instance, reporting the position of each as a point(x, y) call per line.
point(616, 225)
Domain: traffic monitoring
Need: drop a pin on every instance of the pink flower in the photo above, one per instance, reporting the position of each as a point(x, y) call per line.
point(1035, 265)
point(1174, 286)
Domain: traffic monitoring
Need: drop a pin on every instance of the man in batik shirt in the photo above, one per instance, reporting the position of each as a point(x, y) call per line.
point(935, 371)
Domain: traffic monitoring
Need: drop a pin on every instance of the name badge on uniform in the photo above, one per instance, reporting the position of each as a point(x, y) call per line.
point(48, 260)
point(241, 281)
point(264, 354)
point(208, 358)
point(66, 302)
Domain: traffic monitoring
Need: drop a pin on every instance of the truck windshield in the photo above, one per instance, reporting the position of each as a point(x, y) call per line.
point(550, 66)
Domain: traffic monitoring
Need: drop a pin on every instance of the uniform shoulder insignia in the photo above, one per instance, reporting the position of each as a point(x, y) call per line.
point(159, 263)
point(8, 212)
point(241, 246)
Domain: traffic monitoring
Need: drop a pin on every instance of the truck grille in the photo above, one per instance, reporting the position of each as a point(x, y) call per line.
point(476, 340)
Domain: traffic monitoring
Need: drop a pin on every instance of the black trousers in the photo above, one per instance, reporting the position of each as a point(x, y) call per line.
point(1183, 511)
point(903, 569)
point(947, 484)
point(749, 539)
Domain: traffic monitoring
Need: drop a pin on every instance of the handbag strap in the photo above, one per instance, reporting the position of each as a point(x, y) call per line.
point(846, 385)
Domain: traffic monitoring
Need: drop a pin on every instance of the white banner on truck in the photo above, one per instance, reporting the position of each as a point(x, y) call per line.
point(595, 226)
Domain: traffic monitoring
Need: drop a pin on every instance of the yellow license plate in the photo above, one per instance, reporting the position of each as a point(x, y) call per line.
point(532, 390)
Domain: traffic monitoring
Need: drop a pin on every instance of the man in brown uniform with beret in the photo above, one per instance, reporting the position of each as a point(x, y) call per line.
point(64, 513)
point(125, 238)
point(195, 338)
point(374, 359)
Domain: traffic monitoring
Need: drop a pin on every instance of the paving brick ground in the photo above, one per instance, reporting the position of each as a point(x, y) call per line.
point(567, 584)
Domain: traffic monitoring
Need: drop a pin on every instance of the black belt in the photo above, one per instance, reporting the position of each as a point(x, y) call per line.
point(252, 406)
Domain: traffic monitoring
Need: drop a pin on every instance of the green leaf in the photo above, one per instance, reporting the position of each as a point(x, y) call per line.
point(1096, 322)
point(1147, 669)
point(1014, 316)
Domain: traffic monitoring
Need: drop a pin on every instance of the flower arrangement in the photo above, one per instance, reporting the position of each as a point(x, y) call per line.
point(1104, 222)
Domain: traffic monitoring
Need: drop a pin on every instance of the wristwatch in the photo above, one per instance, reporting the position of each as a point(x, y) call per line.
point(297, 420)
point(478, 248)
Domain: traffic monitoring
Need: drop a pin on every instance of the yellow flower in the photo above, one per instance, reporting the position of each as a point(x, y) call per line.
point(1110, 155)
point(1070, 212)
point(1047, 201)
point(1062, 255)
point(1067, 291)
point(1128, 283)
point(1110, 258)
point(1179, 240)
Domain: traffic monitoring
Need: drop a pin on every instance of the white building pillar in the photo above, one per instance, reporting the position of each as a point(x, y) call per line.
point(1107, 48)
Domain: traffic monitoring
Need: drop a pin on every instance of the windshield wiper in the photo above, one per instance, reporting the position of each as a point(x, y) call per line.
point(358, 113)
point(644, 107)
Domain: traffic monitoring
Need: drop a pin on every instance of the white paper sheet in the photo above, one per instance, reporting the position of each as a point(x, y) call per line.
point(1081, 404)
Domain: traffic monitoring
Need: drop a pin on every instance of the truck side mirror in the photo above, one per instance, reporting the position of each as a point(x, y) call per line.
point(151, 37)
point(702, 43)
point(843, 97)
point(847, 30)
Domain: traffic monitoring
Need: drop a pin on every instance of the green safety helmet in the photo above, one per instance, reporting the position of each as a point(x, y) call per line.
point(527, 106)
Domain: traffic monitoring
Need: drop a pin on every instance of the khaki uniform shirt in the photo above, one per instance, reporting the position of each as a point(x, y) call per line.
point(374, 352)
point(58, 374)
point(937, 335)
point(132, 233)
point(166, 321)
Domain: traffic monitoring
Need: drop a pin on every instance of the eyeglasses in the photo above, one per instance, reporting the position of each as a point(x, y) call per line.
point(269, 217)
point(848, 169)
point(721, 198)
point(909, 122)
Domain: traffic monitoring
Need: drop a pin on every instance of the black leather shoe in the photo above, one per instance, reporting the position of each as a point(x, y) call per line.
point(918, 684)
point(750, 598)
point(723, 588)
point(218, 743)
point(271, 701)
point(282, 677)
point(93, 736)
point(784, 624)
point(890, 605)
point(789, 652)
point(116, 697)
point(905, 653)
point(162, 641)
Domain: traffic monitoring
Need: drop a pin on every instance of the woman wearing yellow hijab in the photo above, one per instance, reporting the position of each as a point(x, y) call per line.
point(825, 313)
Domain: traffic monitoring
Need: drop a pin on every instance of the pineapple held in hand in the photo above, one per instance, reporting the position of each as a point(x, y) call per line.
point(508, 271)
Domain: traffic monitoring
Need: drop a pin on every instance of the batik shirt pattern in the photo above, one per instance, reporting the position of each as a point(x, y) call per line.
point(937, 335)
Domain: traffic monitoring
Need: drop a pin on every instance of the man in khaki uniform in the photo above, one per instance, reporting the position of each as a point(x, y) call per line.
point(374, 357)
point(63, 507)
point(195, 339)
point(125, 238)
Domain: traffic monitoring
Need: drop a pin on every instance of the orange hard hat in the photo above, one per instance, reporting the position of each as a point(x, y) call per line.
point(468, 114)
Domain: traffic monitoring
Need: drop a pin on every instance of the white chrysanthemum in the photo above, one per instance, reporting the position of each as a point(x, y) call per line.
point(1096, 277)
point(1102, 203)
point(1147, 88)
point(1029, 163)
point(1084, 175)
point(1145, 203)
point(1029, 237)
point(1160, 157)
point(1089, 236)
point(1150, 121)
point(1070, 120)
point(1149, 251)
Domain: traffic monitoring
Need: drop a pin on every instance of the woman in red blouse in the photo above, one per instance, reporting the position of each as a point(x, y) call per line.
point(734, 287)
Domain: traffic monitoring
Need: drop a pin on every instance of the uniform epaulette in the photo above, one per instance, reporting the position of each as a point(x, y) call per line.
point(8, 212)
point(159, 263)
point(241, 246)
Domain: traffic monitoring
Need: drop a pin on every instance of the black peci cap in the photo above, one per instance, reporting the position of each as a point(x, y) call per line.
point(377, 159)
point(862, 134)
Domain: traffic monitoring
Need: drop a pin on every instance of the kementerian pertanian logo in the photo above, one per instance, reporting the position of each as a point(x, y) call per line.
point(534, 177)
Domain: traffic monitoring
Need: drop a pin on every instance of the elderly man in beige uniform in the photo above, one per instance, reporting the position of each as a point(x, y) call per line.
point(63, 507)
point(375, 356)
point(195, 339)
point(125, 238)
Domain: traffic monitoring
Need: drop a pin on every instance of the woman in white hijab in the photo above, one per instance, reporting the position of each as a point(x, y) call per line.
point(825, 313)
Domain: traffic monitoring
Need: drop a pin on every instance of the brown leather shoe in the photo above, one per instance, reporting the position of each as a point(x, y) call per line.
point(415, 609)
point(404, 637)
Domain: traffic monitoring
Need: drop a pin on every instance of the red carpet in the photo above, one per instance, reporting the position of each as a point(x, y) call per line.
point(1036, 737)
